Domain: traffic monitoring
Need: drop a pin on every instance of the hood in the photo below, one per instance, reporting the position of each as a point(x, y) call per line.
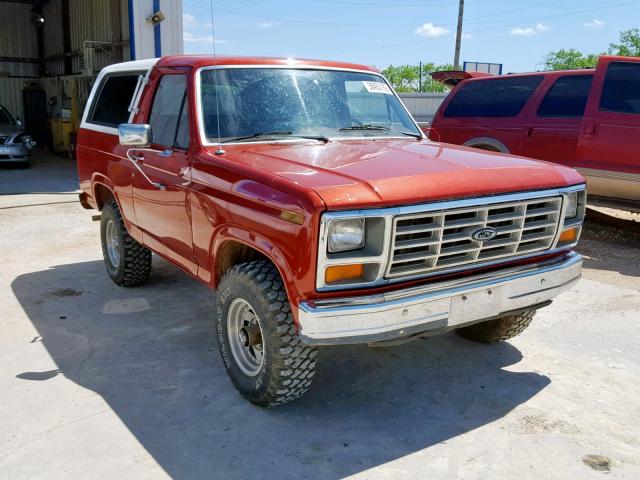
point(9, 130)
point(371, 173)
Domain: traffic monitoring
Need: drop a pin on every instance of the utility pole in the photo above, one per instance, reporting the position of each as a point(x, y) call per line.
point(456, 58)
point(420, 78)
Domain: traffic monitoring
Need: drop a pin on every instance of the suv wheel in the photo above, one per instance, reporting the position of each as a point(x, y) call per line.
point(128, 262)
point(263, 355)
point(499, 329)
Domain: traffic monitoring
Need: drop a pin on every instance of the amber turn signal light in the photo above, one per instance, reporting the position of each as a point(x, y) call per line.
point(570, 235)
point(339, 273)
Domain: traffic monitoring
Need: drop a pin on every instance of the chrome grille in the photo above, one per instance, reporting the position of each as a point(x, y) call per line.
point(433, 241)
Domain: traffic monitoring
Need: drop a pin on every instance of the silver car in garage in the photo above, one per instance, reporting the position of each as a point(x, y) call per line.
point(15, 144)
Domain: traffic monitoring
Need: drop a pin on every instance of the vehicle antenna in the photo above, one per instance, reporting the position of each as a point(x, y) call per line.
point(219, 151)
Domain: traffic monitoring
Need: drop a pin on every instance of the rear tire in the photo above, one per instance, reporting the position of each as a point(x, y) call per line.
point(128, 262)
point(499, 329)
point(261, 351)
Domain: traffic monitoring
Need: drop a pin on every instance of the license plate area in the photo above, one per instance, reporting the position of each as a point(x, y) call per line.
point(476, 305)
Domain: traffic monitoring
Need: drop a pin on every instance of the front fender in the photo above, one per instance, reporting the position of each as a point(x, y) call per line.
point(235, 233)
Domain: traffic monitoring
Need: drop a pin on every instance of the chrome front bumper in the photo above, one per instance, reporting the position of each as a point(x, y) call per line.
point(14, 152)
point(439, 306)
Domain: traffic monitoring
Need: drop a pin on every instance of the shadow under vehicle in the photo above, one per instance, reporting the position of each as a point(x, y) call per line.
point(149, 352)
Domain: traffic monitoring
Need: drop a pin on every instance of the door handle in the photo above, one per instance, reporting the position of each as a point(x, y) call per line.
point(136, 160)
point(529, 132)
point(590, 128)
point(167, 152)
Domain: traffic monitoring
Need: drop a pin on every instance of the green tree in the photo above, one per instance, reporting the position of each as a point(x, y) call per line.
point(568, 59)
point(403, 78)
point(629, 45)
point(428, 83)
point(406, 78)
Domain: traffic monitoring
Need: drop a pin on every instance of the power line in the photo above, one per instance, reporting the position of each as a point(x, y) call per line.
point(396, 25)
point(551, 17)
point(566, 14)
point(408, 5)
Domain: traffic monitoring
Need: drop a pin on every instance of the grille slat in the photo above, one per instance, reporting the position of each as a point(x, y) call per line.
point(539, 211)
point(435, 241)
point(416, 243)
point(411, 257)
point(403, 230)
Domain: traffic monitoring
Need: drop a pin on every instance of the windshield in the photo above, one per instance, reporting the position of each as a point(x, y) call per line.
point(5, 117)
point(254, 103)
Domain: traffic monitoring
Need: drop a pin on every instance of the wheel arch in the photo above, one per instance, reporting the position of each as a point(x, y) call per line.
point(487, 143)
point(234, 245)
point(103, 189)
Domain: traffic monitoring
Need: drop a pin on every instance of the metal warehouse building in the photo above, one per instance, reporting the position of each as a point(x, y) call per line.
point(52, 50)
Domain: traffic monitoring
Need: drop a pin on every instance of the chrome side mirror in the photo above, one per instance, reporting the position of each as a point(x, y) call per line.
point(134, 134)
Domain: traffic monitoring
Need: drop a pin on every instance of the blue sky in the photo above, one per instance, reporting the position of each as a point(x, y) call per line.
point(382, 32)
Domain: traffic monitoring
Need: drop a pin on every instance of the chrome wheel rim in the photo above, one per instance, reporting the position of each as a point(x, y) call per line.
point(245, 337)
point(113, 243)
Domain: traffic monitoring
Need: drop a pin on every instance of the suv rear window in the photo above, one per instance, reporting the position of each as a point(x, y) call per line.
point(112, 105)
point(567, 97)
point(621, 91)
point(500, 97)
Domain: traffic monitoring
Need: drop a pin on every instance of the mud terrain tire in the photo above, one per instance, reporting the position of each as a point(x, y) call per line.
point(499, 329)
point(285, 367)
point(128, 262)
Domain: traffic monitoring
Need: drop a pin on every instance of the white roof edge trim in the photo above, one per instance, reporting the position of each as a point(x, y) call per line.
point(132, 66)
point(128, 66)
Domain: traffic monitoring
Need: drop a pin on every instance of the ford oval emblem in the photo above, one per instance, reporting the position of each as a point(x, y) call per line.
point(484, 234)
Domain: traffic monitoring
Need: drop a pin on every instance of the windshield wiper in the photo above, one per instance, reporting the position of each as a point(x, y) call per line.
point(368, 126)
point(277, 133)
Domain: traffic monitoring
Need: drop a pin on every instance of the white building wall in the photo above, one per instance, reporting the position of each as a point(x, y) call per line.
point(171, 42)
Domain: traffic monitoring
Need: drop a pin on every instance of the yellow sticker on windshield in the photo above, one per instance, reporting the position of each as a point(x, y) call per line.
point(377, 87)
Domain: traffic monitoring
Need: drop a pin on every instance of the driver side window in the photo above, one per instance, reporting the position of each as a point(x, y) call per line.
point(169, 118)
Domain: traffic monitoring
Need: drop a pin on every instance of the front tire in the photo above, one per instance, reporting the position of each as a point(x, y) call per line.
point(128, 262)
point(263, 355)
point(498, 330)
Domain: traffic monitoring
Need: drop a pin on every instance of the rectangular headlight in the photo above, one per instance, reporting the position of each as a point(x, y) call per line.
point(346, 234)
point(572, 205)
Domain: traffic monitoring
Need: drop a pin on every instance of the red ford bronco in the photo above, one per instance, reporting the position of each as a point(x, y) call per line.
point(307, 196)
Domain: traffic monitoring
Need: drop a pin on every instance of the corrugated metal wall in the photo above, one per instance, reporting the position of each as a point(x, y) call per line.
point(17, 39)
point(53, 40)
point(89, 20)
point(423, 106)
point(11, 95)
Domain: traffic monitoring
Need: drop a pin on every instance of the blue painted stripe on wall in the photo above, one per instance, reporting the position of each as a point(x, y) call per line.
point(157, 39)
point(132, 35)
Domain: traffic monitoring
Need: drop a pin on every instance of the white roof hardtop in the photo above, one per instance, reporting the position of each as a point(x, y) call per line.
point(132, 66)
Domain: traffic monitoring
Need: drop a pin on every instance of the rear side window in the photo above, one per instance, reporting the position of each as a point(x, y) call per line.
point(567, 97)
point(112, 106)
point(169, 112)
point(621, 91)
point(501, 97)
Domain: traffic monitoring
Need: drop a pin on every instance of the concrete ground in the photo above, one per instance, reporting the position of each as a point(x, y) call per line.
point(102, 382)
